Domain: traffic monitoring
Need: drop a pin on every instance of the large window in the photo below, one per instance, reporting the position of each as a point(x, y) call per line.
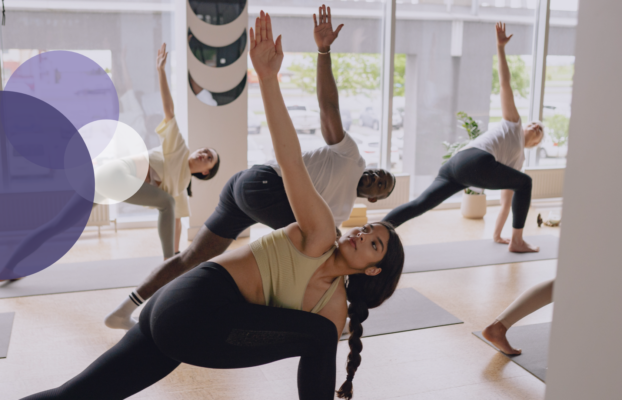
point(123, 43)
point(446, 61)
point(357, 65)
point(558, 83)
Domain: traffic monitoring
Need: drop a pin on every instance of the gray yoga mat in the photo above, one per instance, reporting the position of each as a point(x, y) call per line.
point(6, 326)
point(533, 340)
point(406, 310)
point(474, 253)
point(82, 276)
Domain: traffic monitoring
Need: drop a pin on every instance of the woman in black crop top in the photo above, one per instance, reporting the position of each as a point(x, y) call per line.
point(214, 317)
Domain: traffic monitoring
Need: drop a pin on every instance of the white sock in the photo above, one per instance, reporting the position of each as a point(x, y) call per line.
point(121, 317)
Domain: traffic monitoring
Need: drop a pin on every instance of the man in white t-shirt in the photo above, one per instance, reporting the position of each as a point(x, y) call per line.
point(258, 194)
point(491, 161)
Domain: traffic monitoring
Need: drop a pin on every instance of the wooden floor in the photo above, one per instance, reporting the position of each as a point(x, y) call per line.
point(57, 336)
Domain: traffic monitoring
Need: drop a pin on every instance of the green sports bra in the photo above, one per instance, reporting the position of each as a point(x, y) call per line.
point(285, 271)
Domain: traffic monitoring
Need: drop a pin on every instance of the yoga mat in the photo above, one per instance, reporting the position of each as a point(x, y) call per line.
point(474, 253)
point(534, 341)
point(82, 276)
point(6, 326)
point(406, 310)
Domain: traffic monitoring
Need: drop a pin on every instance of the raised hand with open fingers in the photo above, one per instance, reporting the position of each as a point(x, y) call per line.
point(161, 58)
point(266, 53)
point(323, 32)
point(502, 38)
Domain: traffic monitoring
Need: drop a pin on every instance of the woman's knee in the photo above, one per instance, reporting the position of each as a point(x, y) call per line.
point(325, 333)
point(167, 203)
point(527, 183)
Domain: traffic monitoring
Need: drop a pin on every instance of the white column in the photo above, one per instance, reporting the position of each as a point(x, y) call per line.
point(386, 87)
point(224, 127)
point(538, 71)
point(540, 47)
point(585, 349)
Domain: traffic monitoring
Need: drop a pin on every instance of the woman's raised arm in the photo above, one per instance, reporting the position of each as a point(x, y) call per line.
point(311, 211)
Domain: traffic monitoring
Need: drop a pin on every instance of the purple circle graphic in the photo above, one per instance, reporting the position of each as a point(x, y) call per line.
point(46, 185)
point(72, 83)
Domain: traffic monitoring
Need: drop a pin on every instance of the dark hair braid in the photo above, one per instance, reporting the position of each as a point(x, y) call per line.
point(365, 292)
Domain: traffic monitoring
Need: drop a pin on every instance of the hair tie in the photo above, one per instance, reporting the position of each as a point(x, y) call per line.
point(349, 378)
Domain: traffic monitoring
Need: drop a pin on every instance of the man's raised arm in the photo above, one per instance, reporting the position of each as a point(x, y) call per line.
point(327, 95)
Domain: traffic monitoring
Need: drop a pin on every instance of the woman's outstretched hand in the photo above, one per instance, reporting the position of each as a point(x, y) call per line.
point(161, 59)
point(323, 32)
point(266, 54)
point(502, 38)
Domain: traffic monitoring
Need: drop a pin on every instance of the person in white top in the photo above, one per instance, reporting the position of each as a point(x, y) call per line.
point(492, 161)
point(337, 171)
point(171, 166)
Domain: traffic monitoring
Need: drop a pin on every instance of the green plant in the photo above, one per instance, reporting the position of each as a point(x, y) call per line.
point(518, 72)
point(355, 73)
point(472, 129)
point(558, 128)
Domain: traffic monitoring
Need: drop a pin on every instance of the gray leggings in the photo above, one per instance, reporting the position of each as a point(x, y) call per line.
point(152, 196)
point(113, 180)
point(119, 173)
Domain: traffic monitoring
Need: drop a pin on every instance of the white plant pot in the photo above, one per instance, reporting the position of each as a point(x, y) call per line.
point(473, 206)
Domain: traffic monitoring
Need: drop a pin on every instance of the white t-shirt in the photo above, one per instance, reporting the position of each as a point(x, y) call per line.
point(335, 171)
point(170, 164)
point(506, 143)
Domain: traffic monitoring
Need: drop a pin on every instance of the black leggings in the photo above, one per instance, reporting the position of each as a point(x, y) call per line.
point(471, 167)
point(202, 319)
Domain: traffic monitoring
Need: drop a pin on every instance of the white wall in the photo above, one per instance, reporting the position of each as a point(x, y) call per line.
point(586, 347)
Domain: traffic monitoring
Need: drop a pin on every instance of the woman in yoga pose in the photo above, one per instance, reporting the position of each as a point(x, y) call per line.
point(283, 296)
point(166, 186)
point(528, 302)
point(171, 166)
point(492, 161)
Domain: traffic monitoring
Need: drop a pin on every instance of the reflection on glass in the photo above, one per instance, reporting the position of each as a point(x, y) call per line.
point(443, 67)
point(217, 12)
point(356, 64)
point(558, 84)
point(214, 98)
point(217, 56)
point(126, 57)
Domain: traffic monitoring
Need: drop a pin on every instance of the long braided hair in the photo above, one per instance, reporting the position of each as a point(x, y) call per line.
point(365, 292)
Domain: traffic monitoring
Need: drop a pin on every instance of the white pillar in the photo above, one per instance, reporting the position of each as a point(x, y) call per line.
point(224, 127)
point(585, 349)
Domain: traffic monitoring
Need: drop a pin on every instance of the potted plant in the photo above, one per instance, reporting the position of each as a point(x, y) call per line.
point(474, 199)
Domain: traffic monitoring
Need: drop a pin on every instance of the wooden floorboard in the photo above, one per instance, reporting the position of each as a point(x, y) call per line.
point(56, 336)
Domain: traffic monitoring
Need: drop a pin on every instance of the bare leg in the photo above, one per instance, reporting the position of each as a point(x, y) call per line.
point(529, 301)
point(518, 245)
point(206, 245)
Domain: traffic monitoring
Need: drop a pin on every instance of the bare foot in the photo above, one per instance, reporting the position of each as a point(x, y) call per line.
point(501, 240)
point(495, 334)
point(522, 247)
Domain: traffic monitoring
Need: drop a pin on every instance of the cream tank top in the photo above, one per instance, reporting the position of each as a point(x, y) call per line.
point(285, 271)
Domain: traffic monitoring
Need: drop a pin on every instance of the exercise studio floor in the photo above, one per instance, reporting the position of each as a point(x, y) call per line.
point(56, 336)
